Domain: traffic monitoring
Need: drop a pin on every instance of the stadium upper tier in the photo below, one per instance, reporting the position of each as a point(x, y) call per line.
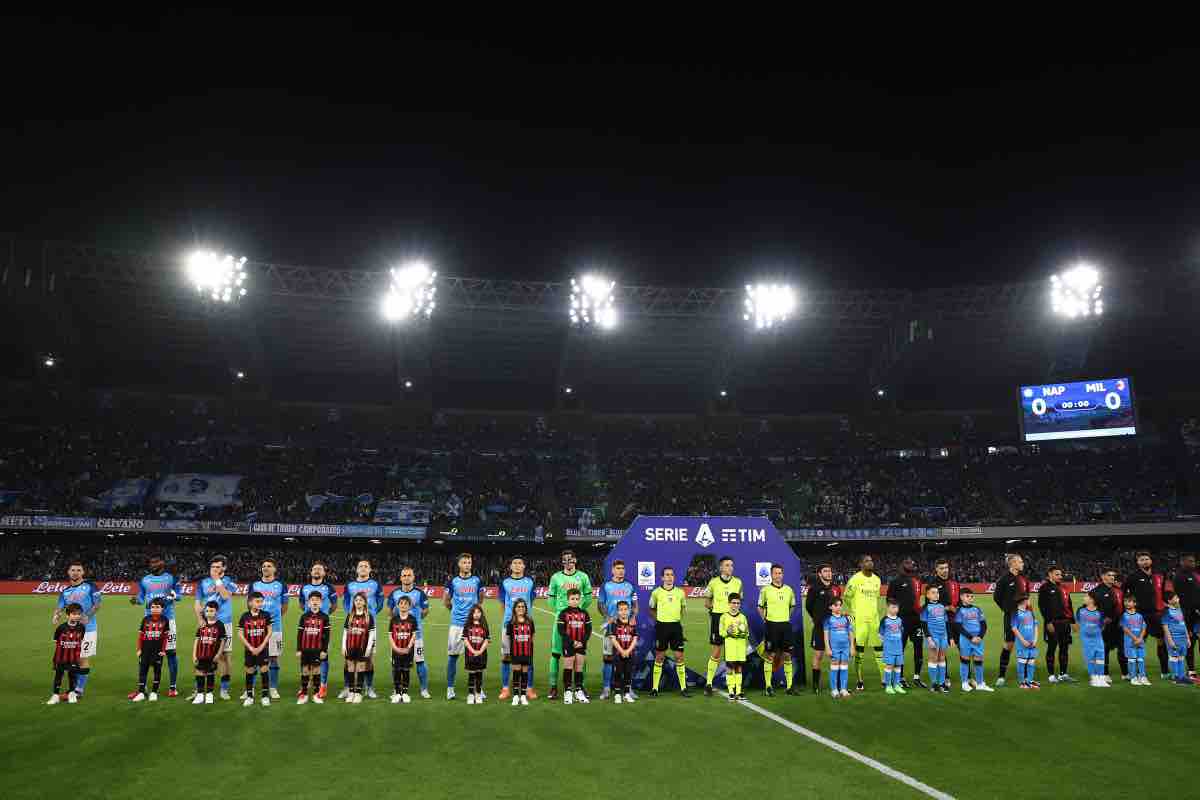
point(525, 476)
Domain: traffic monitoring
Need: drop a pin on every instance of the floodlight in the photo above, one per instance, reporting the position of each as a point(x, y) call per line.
point(408, 384)
point(592, 302)
point(411, 294)
point(49, 361)
point(880, 392)
point(241, 375)
point(768, 305)
point(220, 278)
point(566, 390)
point(1077, 292)
point(724, 393)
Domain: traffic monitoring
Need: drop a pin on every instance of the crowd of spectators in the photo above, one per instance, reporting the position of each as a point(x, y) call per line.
point(528, 476)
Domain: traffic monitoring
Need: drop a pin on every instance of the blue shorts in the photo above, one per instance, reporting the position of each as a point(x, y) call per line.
point(968, 649)
point(1176, 651)
point(893, 659)
point(1135, 652)
point(839, 653)
point(1027, 652)
point(939, 641)
point(1093, 649)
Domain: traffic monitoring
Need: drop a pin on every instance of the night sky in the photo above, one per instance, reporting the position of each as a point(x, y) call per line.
point(826, 156)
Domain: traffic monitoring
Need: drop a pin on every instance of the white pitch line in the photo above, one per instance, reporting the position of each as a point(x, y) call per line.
point(895, 774)
point(551, 613)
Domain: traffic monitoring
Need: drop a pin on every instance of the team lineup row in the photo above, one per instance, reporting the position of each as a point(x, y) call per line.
point(933, 615)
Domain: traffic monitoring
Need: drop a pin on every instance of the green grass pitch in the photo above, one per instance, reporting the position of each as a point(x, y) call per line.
point(1062, 742)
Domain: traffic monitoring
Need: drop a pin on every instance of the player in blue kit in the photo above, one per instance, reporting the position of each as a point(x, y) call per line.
point(971, 625)
point(891, 633)
point(613, 592)
point(1090, 620)
point(218, 588)
point(160, 584)
point(463, 592)
point(839, 643)
point(1025, 637)
point(517, 586)
point(1178, 639)
point(418, 603)
point(1133, 625)
point(275, 601)
point(937, 639)
point(363, 584)
point(317, 583)
point(87, 597)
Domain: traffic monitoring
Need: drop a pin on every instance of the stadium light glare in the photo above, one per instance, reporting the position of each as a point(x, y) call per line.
point(768, 305)
point(592, 302)
point(724, 393)
point(412, 293)
point(880, 392)
point(49, 361)
point(1077, 292)
point(241, 376)
point(219, 278)
point(567, 390)
point(408, 384)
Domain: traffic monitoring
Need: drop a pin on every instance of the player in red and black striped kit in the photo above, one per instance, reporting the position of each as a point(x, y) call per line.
point(151, 647)
point(68, 644)
point(475, 639)
point(574, 630)
point(254, 629)
point(358, 645)
point(908, 590)
point(1148, 586)
point(403, 632)
point(1008, 589)
point(624, 640)
point(312, 648)
point(821, 593)
point(520, 631)
point(210, 640)
point(1110, 599)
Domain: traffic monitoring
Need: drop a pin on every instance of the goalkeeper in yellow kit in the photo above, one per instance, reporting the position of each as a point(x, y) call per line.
point(861, 598)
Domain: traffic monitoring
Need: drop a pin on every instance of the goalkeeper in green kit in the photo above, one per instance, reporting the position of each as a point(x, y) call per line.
point(556, 595)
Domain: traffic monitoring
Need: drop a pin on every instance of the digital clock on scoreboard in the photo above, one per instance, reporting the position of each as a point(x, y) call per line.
point(1079, 410)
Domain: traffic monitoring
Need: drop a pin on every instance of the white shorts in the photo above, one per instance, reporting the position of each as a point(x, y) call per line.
point(505, 645)
point(454, 641)
point(227, 647)
point(275, 644)
point(606, 649)
point(88, 650)
point(172, 635)
point(419, 651)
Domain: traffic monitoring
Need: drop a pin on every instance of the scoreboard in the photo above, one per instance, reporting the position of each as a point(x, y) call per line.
point(1079, 410)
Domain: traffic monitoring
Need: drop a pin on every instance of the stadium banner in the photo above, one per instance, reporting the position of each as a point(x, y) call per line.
point(349, 530)
point(129, 493)
point(594, 534)
point(402, 512)
point(654, 543)
point(863, 534)
point(45, 521)
point(492, 530)
point(213, 491)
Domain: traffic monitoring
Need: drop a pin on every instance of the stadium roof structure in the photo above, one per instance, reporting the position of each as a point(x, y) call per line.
point(308, 333)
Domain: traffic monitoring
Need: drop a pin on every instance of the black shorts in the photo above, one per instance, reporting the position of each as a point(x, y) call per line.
point(777, 637)
point(817, 640)
point(668, 636)
point(520, 661)
point(310, 658)
point(204, 667)
point(714, 628)
point(1062, 632)
point(356, 655)
point(260, 660)
point(1154, 625)
point(1114, 637)
point(571, 649)
point(913, 631)
point(735, 664)
point(402, 661)
point(1009, 634)
point(477, 663)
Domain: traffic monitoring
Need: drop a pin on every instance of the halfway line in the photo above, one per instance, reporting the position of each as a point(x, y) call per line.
point(846, 751)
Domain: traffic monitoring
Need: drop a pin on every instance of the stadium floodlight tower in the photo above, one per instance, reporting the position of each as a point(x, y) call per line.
point(219, 278)
point(593, 302)
point(412, 293)
point(768, 305)
point(1077, 292)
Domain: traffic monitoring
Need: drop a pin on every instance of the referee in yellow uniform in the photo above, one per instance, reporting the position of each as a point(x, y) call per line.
point(775, 603)
point(716, 599)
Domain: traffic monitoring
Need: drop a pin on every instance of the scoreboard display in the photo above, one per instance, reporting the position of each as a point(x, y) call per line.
point(1079, 410)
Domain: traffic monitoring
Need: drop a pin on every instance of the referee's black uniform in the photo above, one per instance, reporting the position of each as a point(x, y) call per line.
point(1111, 601)
point(908, 591)
point(1054, 603)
